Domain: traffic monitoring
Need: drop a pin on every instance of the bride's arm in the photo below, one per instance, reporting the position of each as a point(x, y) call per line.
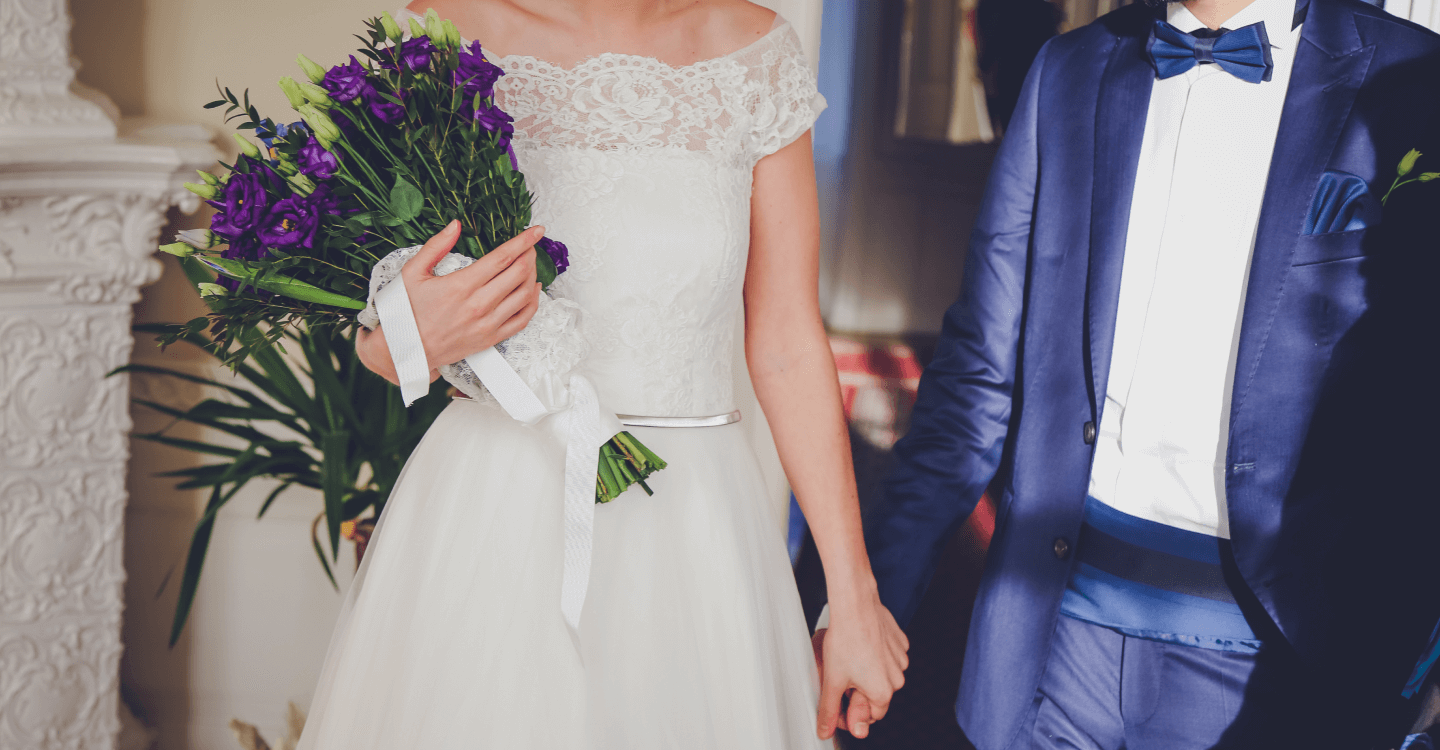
point(794, 375)
point(464, 312)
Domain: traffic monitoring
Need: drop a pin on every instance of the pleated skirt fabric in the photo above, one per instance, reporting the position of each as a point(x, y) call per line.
point(451, 636)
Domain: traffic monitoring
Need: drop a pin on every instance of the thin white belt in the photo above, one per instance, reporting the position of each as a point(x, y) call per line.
point(631, 420)
point(635, 420)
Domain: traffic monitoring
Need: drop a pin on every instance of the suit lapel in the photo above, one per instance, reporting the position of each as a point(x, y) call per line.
point(1330, 66)
point(1124, 100)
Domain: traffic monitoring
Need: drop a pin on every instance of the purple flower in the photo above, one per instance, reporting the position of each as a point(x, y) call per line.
point(475, 73)
point(414, 54)
point(317, 162)
point(292, 222)
point(340, 119)
point(346, 83)
point(242, 205)
point(245, 247)
point(324, 200)
point(557, 252)
point(495, 120)
point(385, 110)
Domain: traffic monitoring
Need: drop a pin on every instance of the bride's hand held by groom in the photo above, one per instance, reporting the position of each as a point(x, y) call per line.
point(466, 311)
point(862, 655)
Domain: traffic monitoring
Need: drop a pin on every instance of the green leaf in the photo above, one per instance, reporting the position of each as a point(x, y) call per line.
point(505, 170)
point(334, 480)
point(280, 383)
point(545, 271)
point(197, 274)
point(241, 393)
point(152, 369)
point(195, 561)
point(357, 504)
point(213, 409)
point(271, 498)
point(195, 446)
point(405, 200)
point(320, 553)
point(273, 282)
point(243, 432)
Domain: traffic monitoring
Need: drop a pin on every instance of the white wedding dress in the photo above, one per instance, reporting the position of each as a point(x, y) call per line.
point(691, 636)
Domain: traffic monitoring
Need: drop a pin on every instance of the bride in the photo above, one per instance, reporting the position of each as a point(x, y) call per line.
point(667, 143)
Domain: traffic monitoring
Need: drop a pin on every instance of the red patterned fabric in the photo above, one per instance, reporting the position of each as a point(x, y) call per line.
point(878, 381)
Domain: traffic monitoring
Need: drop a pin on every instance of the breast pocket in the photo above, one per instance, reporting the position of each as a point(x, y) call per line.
point(1311, 249)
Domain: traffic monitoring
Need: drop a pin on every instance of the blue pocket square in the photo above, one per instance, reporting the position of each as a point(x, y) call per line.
point(1343, 202)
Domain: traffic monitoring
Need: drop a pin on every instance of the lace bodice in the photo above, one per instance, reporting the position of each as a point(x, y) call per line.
point(741, 106)
point(644, 170)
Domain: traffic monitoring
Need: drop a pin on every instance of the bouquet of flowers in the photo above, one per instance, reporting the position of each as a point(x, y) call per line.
point(388, 151)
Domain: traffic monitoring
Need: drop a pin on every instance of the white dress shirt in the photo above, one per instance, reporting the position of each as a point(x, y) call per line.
point(1209, 136)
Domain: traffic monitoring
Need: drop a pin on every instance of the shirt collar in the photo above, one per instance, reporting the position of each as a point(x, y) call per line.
point(1277, 15)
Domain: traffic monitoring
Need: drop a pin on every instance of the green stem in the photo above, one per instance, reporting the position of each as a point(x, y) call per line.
point(1394, 185)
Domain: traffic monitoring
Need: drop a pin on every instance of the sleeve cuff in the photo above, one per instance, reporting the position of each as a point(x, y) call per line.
point(402, 334)
point(824, 621)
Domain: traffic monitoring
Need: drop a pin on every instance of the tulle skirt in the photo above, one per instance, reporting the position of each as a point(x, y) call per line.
point(691, 638)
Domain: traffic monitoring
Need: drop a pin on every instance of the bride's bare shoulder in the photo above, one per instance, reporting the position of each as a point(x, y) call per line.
point(499, 19)
point(734, 24)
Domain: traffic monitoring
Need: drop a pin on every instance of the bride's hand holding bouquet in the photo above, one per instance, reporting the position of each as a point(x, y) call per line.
point(467, 311)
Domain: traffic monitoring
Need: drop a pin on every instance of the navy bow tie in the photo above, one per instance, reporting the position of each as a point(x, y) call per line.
point(1243, 53)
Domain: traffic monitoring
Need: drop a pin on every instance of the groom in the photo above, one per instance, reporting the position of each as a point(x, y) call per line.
point(1189, 355)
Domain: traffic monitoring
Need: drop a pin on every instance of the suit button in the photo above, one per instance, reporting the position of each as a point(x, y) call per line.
point(1062, 547)
point(1089, 433)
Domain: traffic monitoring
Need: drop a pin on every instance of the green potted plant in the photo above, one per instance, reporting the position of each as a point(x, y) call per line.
point(309, 415)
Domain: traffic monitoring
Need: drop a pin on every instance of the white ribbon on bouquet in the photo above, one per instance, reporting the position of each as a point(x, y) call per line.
point(550, 393)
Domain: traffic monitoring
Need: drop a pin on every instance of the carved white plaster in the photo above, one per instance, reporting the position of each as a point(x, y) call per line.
point(60, 686)
point(38, 95)
point(56, 405)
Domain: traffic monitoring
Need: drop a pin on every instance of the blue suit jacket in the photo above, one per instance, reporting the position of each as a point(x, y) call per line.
point(1333, 422)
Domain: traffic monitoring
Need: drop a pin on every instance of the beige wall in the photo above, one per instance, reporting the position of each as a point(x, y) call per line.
point(160, 58)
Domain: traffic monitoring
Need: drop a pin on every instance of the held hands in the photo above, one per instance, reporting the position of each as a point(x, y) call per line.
point(863, 655)
point(466, 311)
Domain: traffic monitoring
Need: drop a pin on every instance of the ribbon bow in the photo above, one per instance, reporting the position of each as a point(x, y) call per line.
point(1243, 53)
point(574, 414)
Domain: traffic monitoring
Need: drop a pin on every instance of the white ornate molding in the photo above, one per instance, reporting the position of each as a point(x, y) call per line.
point(82, 203)
point(38, 95)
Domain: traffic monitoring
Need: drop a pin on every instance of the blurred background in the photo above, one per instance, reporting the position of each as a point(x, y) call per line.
point(100, 122)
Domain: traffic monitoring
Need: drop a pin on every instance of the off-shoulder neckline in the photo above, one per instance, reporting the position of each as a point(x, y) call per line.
point(779, 24)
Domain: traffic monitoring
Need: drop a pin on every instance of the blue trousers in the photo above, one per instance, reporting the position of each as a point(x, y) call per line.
point(1106, 691)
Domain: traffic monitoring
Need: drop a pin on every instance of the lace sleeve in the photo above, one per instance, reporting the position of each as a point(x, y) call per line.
point(788, 101)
